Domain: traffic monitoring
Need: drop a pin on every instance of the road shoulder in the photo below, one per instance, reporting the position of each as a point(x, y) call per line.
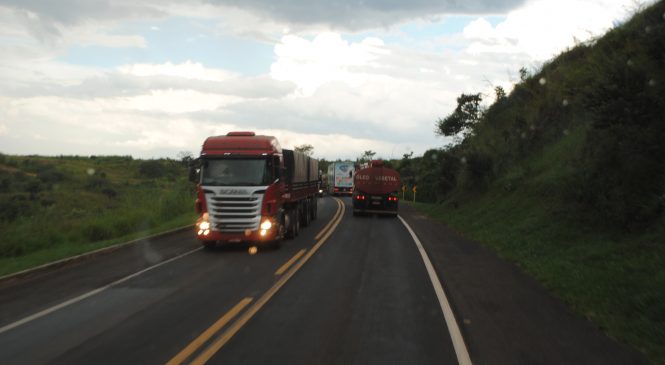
point(507, 317)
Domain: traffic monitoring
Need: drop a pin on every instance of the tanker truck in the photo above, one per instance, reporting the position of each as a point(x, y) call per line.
point(375, 190)
point(251, 190)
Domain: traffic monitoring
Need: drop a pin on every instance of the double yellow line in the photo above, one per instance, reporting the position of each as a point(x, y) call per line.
point(285, 272)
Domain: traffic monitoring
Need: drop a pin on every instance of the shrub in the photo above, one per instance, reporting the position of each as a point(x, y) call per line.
point(478, 169)
point(152, 169)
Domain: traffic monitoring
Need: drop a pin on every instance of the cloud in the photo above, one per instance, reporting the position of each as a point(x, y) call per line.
point(326, 58)
point(71, 12)
point(343, 94)
point(46, 20)
point(543, 28)
point(359, 15)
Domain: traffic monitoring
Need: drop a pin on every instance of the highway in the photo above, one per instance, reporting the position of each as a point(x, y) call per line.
point(348, 290)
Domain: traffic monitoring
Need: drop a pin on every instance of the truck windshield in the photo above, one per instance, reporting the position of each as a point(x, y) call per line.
point(237, 172)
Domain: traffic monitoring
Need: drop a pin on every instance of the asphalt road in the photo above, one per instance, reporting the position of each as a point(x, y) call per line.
point(348, 290)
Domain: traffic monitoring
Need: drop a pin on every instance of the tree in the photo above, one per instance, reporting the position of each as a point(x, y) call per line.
point(367, 156)
point(185, 157)
point(307, 149)
point(500, 93)
point(465, 115)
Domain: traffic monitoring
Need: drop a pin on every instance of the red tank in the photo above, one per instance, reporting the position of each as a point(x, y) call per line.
point(377, 179)
point(375, 190)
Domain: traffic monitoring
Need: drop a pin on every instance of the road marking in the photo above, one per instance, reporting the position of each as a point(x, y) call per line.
point(455, 334)
point(90, 253)
point(288, 264)
point(247, 315)
point(329, 223)
point(90, 293)
point(207, 334)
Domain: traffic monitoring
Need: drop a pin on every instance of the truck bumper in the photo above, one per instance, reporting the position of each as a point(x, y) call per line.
point(253, 237)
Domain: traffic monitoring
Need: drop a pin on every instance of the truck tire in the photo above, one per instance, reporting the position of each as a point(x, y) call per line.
point(306, 213)
point(315, 209)
point(294, 225)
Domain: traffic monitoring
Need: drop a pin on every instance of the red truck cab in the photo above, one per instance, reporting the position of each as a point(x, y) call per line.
point(245, 191)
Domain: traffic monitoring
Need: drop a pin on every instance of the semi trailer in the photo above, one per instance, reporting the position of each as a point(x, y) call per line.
point(251, 190)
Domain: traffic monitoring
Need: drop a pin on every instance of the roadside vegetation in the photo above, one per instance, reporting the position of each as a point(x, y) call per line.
point(56, 207)
point(565, 176)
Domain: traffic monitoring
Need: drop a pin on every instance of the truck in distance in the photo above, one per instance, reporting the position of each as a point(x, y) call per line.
point(251, 190)
point(340, 178)
point(376, 190)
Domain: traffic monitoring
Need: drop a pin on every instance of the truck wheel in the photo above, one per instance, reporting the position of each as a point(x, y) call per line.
point(315, 209)
point(306, 214)
point(293, 228)
point(296, 224)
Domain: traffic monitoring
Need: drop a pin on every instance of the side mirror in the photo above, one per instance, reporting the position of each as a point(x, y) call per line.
point(194, 170)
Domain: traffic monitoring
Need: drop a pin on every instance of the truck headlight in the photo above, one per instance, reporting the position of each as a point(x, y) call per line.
point(204, 225)
point(266, 225)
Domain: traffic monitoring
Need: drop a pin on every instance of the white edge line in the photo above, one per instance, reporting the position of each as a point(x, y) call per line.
point(455, 334)
point(89, 294)
point(90, 253)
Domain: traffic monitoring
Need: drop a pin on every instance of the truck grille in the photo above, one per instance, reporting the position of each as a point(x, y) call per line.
point(234, 213)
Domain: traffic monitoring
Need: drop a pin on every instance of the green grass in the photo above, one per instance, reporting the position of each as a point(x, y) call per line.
point(55, 207)
point(615, 280)
point(62, 251)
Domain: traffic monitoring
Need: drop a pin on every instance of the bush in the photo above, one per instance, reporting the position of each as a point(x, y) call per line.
point(95, 182)
point(478, 169)
point(152, 169)
point(50, 175)
point(97, 231)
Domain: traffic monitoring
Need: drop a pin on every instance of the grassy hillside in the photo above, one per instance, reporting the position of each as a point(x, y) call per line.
point(54, 207)
point(565, 177)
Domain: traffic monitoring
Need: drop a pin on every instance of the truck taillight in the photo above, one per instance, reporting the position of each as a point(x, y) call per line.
point(360, 197)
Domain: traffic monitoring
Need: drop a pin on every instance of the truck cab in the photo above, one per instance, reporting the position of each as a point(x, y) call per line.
point(250, 190)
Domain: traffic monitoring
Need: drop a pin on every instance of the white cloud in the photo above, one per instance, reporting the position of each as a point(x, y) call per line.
point(176, 101)
point(543, 28)
point(188, 70)
point(327, 58)
point(342, 96)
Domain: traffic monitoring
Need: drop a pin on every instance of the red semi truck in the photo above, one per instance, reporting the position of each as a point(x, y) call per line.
point(251, 190)
point(375, 189)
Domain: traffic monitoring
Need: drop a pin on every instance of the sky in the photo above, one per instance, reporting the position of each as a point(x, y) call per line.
point(154, 78)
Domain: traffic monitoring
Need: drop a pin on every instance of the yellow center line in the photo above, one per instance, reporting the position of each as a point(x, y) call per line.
point(288, 264)
point(205, 336)
point(247, 315)
point(329, 223)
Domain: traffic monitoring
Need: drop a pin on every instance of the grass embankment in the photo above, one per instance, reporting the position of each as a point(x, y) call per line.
point(612, 277)
point(565, 177)
point(56, 207)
